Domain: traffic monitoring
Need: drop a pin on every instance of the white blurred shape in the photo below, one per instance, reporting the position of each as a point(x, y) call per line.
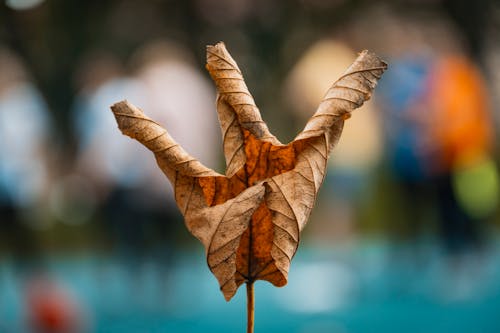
point(24, 129)
point(22, 4)
point(181, 100)
point(320, 287)
point(105, 154)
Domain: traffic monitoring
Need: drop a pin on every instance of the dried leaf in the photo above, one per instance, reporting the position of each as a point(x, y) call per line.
point(250, 219)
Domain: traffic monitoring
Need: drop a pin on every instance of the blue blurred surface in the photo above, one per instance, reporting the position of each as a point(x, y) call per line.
point(367, 287)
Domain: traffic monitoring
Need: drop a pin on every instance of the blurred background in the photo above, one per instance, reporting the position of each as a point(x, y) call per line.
point(405, 233)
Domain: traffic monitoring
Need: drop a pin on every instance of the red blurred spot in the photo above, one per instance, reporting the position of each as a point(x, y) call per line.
point(52, 309)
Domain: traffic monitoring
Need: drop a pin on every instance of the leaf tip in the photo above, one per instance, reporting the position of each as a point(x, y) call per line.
point(123, 110)
point(228, 293)
point(121, 107)
point(219, 45)
point(373, 55)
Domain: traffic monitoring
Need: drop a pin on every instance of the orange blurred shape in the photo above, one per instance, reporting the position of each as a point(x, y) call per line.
point(462, 128)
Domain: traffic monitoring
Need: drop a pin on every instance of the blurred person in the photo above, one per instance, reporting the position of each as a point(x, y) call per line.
point(164, 85)
point(462, 137)
point(25, 129)
point(103, 158)
point(439, 133)
point(183, 100)
point(405, 93)
point(119, 176)
point(428, 106)
point(114, 180)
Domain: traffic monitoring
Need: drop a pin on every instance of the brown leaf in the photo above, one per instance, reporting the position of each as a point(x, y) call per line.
point(250, 219)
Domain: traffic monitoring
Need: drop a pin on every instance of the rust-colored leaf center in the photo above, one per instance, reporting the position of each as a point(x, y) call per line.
point(263, 160)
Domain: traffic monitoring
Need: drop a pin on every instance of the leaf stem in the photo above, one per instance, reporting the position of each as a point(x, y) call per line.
point(250, 307)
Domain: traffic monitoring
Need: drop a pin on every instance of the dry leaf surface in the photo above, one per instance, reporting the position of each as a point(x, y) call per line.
point(250, 219)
